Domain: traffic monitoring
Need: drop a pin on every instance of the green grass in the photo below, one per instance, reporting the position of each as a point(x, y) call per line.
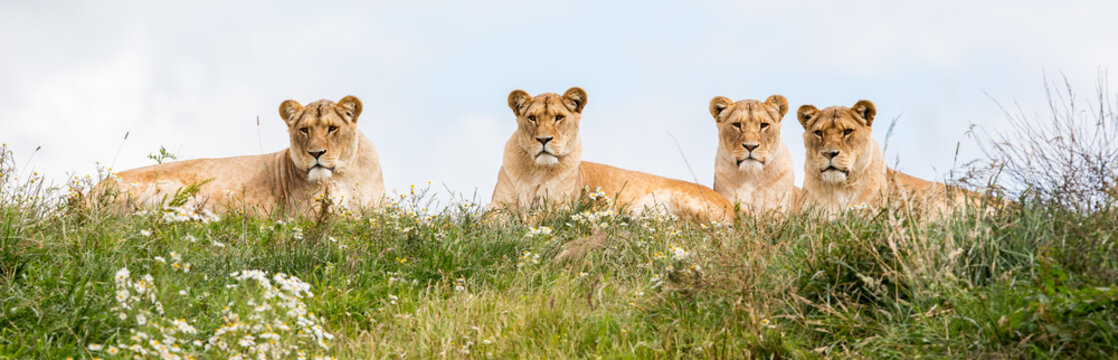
point(1026, 282)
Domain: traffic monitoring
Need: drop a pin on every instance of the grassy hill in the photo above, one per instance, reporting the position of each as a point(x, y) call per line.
point(399, 281)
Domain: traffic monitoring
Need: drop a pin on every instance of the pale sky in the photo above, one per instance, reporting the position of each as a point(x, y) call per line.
point(434, 76)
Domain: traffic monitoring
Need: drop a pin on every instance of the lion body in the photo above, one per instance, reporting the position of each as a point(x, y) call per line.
point(345, 172)
point(543, 163)
point(753, 167)
point(845, 167)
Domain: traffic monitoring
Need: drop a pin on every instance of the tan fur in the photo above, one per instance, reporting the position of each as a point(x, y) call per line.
point(857, 173)
point(291, 179)
point(533, 170)
point(753, 167)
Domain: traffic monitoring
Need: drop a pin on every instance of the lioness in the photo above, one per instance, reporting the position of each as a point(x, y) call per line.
point(543, 160)
point(845, 167)
point(753, 167)
point(328, 155)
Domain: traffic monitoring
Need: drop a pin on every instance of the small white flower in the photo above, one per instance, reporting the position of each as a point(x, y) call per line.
point(145, 233)
point(160, 259)
point(122, 275)
point(678, 253)
point(95, 347)
point(542, 230)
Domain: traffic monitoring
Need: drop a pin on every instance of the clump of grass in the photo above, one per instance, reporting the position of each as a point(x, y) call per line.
point(1067, 158)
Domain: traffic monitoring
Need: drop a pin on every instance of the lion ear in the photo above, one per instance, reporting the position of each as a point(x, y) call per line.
point(717, 105)
point(351, 108)
point(807, 114)
point(288, 109)
point(780, 103)
point(575, 98)
point(866, 110)
point(518, 99)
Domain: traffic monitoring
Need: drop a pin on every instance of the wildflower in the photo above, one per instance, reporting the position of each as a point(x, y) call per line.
point(145, 233)
point(298, 233)
point(528, 256)
point(95, 347)
point(112, 350)
point(582, 274)
point(218, 244)
point(679, 253)
point(857, 206)
point(639, 293)
point(122, 275)
point(160, 259)
point(392, 299)
point(542, 230)
point(596, 194)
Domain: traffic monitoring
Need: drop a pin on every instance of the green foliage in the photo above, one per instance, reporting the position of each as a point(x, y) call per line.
point(162, 155)
point(404, 281)
point(182, 195)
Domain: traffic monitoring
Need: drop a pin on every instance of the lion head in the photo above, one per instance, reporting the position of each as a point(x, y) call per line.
point(748, 130)
point(323, 135)
point(548, 123)
point(837, 139)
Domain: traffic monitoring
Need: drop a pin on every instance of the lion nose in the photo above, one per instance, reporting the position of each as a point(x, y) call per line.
point(544, 139)
point(749, 147)
point(830, 154)
point(316, 154)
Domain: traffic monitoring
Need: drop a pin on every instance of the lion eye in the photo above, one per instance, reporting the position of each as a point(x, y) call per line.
point(559, 118)
point(764, 125)
point(532, 118)
point(736, 125)
point(847, 132)
point(305, 131)
point(333, 128)
point(818, 133)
